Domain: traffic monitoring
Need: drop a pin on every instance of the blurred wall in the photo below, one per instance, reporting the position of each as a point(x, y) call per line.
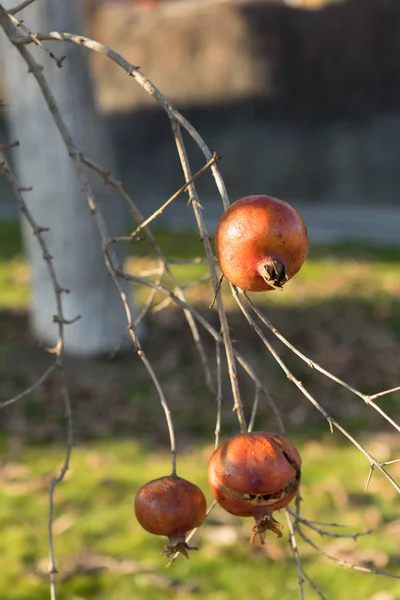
point(300, 104)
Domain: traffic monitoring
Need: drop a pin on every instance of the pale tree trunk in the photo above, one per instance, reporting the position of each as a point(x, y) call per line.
point(57, 201)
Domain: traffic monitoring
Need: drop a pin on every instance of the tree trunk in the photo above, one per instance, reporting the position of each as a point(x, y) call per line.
point(56, 200)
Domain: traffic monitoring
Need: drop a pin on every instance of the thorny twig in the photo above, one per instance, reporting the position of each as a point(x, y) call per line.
point(237, 401)
point(110, 258)
point(210, 329)
point(137, 216)
point(21, 25)
point(31, 388)
point(331, 421)
point(296, 554)
point(182, 189)
point(339, 561)
point(313, 365)
point(314, 587)
point(58, 351)
point(19, 7)
point(219, 394)
point(314, 525)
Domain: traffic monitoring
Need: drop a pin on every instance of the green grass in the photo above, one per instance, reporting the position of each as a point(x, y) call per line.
point(13, 270)
point(10, 239)
point(343, 270)
point(94, 524)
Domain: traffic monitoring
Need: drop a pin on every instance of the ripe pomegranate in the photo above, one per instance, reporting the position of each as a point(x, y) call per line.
point(254, 474)
point(171, 506)
point(261, 243)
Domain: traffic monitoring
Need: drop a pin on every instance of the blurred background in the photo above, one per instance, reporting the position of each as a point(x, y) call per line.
point(304, 96)
point(302, 101)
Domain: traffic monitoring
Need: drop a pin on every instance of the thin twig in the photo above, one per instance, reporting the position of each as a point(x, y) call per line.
point(314, 586)
point(20, 24)
point(219, 394)
point(149, 302)
point(254, 408)
point(209, 328)
point(317, 367)
point(110, 258)
point(340, 562)
point(295, 550)
point(237, 401)
point(58, 351)
point(331, 421)
point(379, 394)
point(314, 525)
point(19, 7)
point(191, 534)
point(30, 389)
point(177, 296)
point(182, 189)
point(4, 147)
point(137, 215)
point(372, 467)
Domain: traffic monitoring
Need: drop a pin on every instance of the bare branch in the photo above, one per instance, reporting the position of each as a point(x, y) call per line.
point(30, 389)
point(9, 146)
point(177, 295)
point(314, 525)
point(295, 550)
point(331, 421)
point(314, 365)
point(109, 256)
point(219, 394)
point(19, 7)
point(182, 189)
point(191, 534)
point(137, 216)
point(254, 409)
point(35, 39)
point(237, 401)
point(374, 396)
point(314, 587)
point(344, 563)
point(210, 329)
point(58, 351)
point(149, 303)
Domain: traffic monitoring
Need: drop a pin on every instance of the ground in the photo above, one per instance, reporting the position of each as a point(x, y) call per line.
point(341, 310)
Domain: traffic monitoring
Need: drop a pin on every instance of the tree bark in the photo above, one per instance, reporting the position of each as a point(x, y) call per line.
point(56, 200)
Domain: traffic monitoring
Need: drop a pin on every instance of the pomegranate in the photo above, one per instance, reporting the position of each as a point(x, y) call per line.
point(253, 475)
point(261, 243)
point(171, 506)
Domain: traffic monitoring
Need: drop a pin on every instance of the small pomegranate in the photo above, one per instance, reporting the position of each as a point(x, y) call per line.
point(254, 474)
point(171, 506)
point(261, 243)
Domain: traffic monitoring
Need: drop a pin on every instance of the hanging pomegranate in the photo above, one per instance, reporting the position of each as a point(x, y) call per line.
point(171, 506)
point(253, 475)
point(261, 243)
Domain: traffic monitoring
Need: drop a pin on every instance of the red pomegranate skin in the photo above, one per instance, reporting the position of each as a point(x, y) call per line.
point(251, 465)
point(170, 505)
point(254, 230)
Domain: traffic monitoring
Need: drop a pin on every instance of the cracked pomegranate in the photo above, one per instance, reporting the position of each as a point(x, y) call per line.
point(261, 243)
point(253, 475)
point(171, 506)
